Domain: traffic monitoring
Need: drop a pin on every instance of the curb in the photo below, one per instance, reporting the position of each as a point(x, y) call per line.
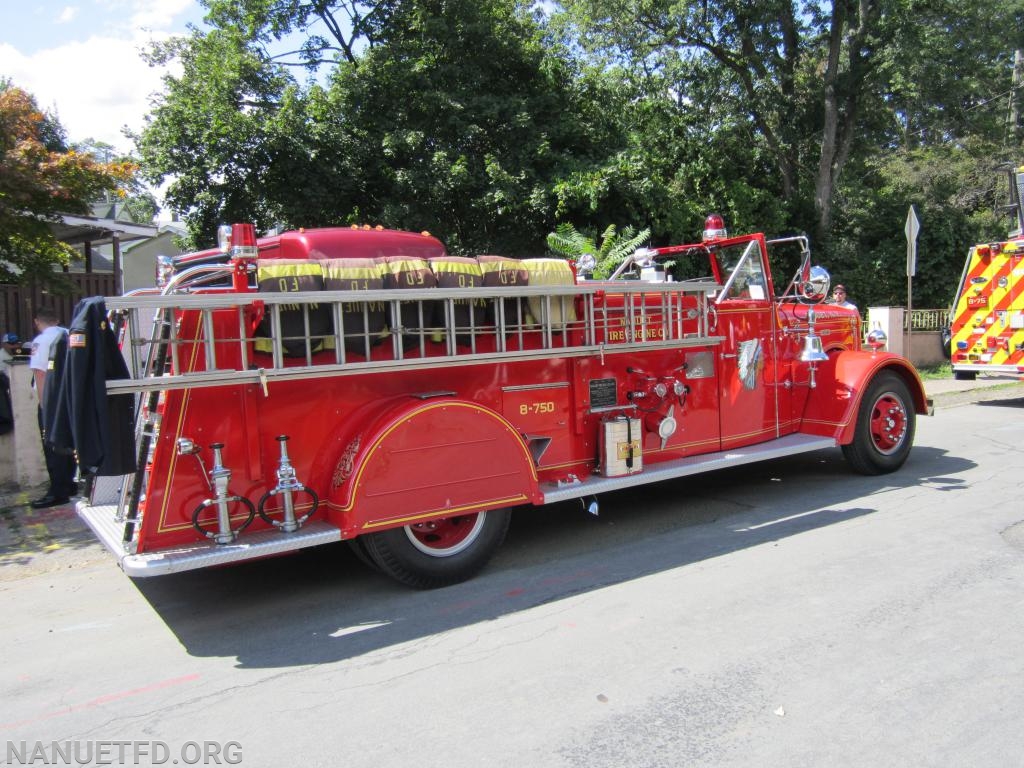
point(976, 393)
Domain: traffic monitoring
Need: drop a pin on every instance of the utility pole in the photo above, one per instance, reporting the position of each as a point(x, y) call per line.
point(1016, 97)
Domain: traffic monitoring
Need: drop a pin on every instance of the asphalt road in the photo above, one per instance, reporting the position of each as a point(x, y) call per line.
point(789, 613)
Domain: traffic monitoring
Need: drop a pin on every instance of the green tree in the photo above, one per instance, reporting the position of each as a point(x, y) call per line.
point(332, 31)
point(212, 133)
point(133, 201)
point(956, 192)
point(454, 116)
point(949, 74)
point(668, 166)
point(463, 122)
point(485, 123)
point(815, 86)
point(40, 178)
point(237, 136)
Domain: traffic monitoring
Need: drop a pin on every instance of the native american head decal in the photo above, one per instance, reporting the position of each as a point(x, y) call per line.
point(750, 362)
point(346, 463)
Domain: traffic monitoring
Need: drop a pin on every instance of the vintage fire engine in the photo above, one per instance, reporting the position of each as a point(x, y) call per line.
point(362, 385)
point(987, 321)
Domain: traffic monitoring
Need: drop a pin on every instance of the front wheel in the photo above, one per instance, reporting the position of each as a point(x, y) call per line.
point(439, 552)
point(885, 427)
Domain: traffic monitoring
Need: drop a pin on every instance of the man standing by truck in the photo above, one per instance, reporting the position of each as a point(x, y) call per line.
point(60, 466)
point(839, 298)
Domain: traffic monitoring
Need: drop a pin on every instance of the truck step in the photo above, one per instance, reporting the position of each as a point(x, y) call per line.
point(784, 446)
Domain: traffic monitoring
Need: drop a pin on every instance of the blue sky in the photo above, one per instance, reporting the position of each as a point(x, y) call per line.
point(81, 59)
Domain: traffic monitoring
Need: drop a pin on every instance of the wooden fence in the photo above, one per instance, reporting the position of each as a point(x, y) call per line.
point(18, 303)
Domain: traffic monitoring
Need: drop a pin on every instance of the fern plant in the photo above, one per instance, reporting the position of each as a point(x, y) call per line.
point(566, 241)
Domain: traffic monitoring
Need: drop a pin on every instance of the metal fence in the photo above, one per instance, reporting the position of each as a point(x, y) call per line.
point(927, 319)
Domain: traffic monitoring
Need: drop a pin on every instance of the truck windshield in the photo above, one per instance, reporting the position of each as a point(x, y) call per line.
point(690, 264)
point(743, 271)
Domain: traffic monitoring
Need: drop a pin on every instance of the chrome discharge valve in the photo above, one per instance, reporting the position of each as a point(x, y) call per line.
point(220, 477)
point(287, 486)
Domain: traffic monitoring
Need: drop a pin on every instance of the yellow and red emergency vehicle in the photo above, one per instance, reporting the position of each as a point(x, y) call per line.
point(363, 385)
point(987, 320)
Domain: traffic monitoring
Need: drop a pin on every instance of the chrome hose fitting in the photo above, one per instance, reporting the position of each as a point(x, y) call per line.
point(287, 486)
point(220, 477)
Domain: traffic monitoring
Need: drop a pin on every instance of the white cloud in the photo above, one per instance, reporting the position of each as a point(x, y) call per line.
point(99, 83)
point(159, 15)
point(95, 86)
point(67, 15)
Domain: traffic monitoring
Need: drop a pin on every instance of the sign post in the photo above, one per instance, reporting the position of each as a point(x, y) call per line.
point(913, 226)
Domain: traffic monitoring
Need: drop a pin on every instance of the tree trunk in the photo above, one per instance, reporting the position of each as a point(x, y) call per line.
point(823, 181)
point(841, 104)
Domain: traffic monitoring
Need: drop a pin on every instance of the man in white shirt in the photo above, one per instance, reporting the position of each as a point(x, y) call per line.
point(59, 466)
point(839, 298)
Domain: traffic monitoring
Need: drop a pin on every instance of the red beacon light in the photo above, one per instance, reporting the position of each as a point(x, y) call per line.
point(714, 228)
point(238, 241)
point(243, 241)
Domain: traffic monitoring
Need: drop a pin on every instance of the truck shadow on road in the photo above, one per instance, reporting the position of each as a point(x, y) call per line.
point(323, 605)
point(1015, 403)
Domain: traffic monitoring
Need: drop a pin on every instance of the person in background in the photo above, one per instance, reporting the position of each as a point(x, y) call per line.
point(8, 350)
point(60, 466)
point(8, 347)
point(839, 298)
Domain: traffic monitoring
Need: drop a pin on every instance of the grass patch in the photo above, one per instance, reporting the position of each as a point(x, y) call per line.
point(940, 371)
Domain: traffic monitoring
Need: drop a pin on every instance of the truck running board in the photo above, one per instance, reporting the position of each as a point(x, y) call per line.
point(784, 446)
point(101, 519)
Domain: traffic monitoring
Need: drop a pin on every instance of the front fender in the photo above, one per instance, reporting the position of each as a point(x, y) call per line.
point(831, 409)
point(428, 459)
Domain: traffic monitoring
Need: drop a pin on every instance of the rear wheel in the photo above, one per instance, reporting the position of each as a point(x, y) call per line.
point(439, 552)
point(885, 427)
point(965, 375)
point(358, 547)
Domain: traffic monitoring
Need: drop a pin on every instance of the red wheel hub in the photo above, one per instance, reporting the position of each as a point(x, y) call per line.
point(447, 536)
point(888, 423)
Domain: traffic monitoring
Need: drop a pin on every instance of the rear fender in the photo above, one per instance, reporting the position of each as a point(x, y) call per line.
point(841, 381)
point(428, 459)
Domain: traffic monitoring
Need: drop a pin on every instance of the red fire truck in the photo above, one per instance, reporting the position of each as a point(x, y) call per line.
point(362, 385)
